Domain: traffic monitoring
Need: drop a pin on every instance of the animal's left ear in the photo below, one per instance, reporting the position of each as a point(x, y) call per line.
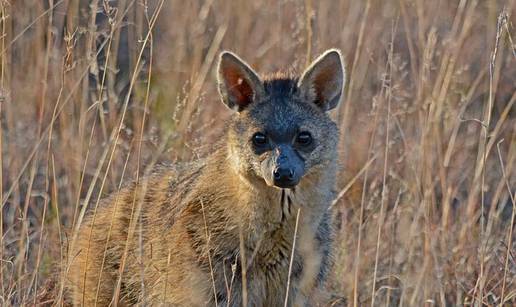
point(323, 81)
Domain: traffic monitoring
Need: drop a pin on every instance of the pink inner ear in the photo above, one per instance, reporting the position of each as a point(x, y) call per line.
point(238, 87)
point(323, 83)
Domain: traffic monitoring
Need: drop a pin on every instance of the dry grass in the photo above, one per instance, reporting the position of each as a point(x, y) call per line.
point(426, 213)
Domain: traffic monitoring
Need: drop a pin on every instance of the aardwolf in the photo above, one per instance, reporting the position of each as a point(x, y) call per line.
point(248, 225)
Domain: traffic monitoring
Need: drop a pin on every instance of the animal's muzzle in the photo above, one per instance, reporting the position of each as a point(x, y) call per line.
point(287, 168)
point(285, 177)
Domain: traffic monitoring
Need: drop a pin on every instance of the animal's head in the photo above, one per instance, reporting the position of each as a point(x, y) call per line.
point(280, 130)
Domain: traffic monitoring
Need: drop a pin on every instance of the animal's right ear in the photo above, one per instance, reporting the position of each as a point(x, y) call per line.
point(239, 85)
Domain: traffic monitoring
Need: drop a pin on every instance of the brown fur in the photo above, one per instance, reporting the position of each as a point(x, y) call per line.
point(175, 237)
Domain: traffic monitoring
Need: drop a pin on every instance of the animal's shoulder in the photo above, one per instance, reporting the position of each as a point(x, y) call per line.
point(173, 178)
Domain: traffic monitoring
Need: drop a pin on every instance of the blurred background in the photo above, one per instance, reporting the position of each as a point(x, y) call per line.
point(94, 92)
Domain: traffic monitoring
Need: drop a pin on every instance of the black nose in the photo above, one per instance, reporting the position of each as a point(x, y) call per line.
point(284, 177)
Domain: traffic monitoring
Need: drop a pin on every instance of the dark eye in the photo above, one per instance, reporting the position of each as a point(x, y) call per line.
point(259, 139)
point(304, 138)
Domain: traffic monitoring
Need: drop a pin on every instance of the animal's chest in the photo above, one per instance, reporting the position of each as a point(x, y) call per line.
point(288, 253)
point(280, 260)
point(273, 252)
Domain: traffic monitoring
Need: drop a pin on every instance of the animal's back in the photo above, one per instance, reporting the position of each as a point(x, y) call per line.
point(103, 240)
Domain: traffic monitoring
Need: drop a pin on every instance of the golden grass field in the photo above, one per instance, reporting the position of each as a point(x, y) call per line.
point(95, 93)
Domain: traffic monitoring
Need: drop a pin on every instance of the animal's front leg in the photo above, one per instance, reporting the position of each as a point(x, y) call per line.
point(312, 256)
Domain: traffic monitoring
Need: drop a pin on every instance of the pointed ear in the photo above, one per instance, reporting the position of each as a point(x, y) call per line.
point(239, 85)
point(323, 81)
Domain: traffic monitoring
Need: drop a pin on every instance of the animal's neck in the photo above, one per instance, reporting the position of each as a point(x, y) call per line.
point(260, 208)
point(266, 208)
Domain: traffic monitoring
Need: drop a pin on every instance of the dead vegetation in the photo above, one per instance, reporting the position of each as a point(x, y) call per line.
point(95, 93)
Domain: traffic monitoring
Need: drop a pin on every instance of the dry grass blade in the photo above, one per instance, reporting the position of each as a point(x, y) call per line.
point(511, 227)
point(292, 257)
point(209, 253)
